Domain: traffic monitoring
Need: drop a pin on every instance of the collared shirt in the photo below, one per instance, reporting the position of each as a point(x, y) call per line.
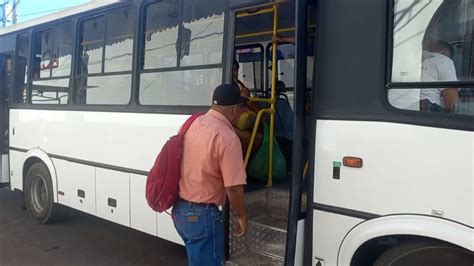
point(212, 160)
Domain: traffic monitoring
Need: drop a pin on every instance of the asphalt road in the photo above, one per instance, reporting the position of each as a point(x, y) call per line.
point(80, 239)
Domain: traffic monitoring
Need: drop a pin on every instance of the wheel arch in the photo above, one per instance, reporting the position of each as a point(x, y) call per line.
point(403, 226)
point(37, 155)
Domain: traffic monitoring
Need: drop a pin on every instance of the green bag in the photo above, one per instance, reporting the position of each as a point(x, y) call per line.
point(258, 167)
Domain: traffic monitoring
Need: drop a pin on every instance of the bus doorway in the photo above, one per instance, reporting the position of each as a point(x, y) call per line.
point(263, 68)
point(5, 81)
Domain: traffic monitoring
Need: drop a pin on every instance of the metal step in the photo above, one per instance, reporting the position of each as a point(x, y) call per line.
point(251, 258)
point(265, 241)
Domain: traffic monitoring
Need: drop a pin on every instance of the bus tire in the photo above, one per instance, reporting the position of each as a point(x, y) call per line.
point(38, 192)
point(425, 253)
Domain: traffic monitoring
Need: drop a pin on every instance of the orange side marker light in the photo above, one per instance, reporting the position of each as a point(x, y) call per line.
point(354, 162)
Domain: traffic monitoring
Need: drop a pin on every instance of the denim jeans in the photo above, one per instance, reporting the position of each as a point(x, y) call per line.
point(201, 228)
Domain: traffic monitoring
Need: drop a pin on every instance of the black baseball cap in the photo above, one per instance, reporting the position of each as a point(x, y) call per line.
point(226, 95)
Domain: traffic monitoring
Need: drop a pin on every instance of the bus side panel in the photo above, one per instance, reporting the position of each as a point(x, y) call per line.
point(406, 169)
point(76, 186)
point(142, 217)
point(81, 142)
point(113, 195)
point(17, 160)
point(328, 234)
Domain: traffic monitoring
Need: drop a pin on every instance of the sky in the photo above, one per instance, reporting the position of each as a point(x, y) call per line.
point(29, 9)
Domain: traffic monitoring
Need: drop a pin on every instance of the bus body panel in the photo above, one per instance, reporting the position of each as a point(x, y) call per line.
point(77, 184)
point(418, 225)
point(125, 147)
point(142, 217)
point(328, 234)
point(400, 163)
point(17, 160)
point(129, 140)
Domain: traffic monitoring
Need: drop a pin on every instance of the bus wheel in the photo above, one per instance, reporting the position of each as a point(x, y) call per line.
point(425, 253)
point(39, 194)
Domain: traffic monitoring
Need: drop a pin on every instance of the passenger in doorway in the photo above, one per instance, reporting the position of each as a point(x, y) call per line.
point(212, 167)
point(437, 65)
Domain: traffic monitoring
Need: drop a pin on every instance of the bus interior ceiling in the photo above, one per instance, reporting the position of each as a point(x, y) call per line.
point(267, 206)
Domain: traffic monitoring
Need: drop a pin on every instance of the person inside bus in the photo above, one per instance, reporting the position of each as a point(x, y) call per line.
point(437, 65)
point(244, 91)
point(212, 168)
point(246, 121)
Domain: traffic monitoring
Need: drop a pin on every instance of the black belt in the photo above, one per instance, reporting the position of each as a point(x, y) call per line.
point(201, 204)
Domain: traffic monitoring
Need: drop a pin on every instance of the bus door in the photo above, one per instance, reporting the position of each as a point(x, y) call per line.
point(5, 81)
point(263, 59)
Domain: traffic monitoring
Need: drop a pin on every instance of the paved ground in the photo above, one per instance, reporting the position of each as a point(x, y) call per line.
point(79, 240)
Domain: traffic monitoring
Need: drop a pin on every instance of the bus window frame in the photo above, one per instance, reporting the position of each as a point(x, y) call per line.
point(51, 27)
point(140, 53)
point(262, 59)
point(77, 53)
point(28, 65)
point(432, 117)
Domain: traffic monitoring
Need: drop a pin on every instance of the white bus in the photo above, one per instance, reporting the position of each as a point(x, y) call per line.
point(90, 94)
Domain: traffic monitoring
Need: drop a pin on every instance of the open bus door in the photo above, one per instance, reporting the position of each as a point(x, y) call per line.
point(276, 209)
point(5, 81)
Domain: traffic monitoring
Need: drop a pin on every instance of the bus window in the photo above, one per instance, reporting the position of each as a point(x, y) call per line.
point(199, 44)
point(433, 43)
point(119, 41)
point(161, 35)
point(111, 84)
point(92, 45)
point(285, 70)
point(52, 58)
point(250, 67)
point(202, 32)
point(21, 68)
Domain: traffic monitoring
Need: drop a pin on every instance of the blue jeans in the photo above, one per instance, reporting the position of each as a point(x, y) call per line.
point(201, 228)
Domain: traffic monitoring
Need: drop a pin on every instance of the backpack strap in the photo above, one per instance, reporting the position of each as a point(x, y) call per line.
point(188, 123)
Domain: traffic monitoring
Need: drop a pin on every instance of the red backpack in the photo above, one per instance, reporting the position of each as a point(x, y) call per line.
point(162, 184)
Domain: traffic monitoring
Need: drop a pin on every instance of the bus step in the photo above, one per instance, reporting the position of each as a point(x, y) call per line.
point(266, 236)
point(249, 258)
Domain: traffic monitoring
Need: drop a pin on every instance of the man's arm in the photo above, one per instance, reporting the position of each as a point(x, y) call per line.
point(450, 98)
point(235, 194)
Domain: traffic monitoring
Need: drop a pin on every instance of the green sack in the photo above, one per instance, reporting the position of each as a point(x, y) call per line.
point(258, 167)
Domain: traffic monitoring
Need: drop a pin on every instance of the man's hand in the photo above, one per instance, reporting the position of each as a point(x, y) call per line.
point(241, 226)
point(235, 194)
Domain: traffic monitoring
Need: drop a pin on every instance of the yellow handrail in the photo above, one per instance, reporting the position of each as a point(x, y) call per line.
point(260, 33)
point(263, 100)
point(271, 101)
point(254, 134)
point(272, 106)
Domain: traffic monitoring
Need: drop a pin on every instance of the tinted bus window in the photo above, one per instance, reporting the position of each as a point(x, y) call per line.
point(432, 42)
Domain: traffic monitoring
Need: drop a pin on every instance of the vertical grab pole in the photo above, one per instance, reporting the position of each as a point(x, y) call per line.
point(273, 97)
